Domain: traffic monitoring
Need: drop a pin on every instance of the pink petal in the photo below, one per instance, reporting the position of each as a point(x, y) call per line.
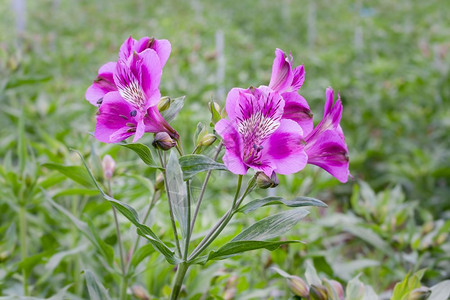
point(282, 74)
point(232, 102)
point(297, 109)
point(126, 48)
point(151, 72)
point(233, 145)
point(163, 49)
point(299, 78)
point(113, 119)
point(140, 129)
point(103, 84)
point(285, 148)
point(329, 152)
point(155, 123)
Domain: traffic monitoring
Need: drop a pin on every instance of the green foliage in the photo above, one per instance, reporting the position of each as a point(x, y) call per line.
point(389, 60)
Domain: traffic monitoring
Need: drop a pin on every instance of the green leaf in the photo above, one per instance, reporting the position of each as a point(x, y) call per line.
point(194, 163)
point(105, 249)
point(141, 254)
point(297, 202)
point(15, 82)
point(81, 192)
point(21, 144)
point(144, 153)
point(176, 190)
point(175, 106)
point(96, 290)
point(272, 226)
point(76, 173)
point(233, 248)
point(133, 217)
point(311, 274)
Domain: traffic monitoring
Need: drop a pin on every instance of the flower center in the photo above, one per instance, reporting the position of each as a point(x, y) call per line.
point(257, 123)
point(132, 92)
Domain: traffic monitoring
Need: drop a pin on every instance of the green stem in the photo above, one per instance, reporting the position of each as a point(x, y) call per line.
point(172, 218)
point(202, 191)
point(123, 283)
point(188, 229)
point(177, 284)
point(147, 214)
point(220, 225)
point(23, 245)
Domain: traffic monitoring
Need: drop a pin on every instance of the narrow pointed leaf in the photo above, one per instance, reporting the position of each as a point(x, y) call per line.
point(176, 190)
point(272, 226)
point(76, 173)
point(297, 202)
point(133, 217)
point(95, 288)
point(143, 152)
point(233, 248)
point(195, 163)
point(141, 254)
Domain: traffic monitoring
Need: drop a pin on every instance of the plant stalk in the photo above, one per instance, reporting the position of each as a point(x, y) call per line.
point(124, 281)
point(23, 245)
point(177, 284)
point(202, 191)
point(172, 218)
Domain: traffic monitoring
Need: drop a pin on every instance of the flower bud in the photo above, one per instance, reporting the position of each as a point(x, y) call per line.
point(108, 165)
point(421, 293)
point(298, 286)
point(337, 286)
point(163, 141)
point(164, 103)
point(318, 292)
point(159, 184)
point(214, 108)
point(140, 293)
point(207, 140)
point(264, 182)
point(441, 238)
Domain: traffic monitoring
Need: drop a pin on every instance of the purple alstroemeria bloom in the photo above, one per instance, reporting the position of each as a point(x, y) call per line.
point(132, 109)
point(104, 83)
point(325, 145)
point(256, 136)
point(287, 81)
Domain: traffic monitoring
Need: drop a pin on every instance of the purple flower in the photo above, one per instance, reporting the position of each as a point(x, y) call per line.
point(287, 81)
point(104, 83)
point(256, 136)
point(325, 145)
point(132, 110)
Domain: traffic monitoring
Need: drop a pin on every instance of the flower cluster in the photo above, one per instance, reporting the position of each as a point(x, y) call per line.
point(127, 92)
point(270, 128)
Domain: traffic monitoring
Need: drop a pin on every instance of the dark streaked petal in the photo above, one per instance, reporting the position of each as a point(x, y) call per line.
point(297, 109)
point(329, 152)
point(282, 74)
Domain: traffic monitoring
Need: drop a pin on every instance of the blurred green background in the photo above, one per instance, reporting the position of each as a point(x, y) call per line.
point(389, 60)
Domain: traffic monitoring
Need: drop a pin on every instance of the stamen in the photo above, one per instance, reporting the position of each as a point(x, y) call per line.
point(133, 113)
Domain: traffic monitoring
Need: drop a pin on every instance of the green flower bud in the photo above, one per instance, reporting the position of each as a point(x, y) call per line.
point(298, 286)
point(318, 292)
point(159, 184)
point(109, 166)
point(164, 103)
point(265, 182)
point(214, 108)
point(163, 141)
point(421, 293)
point(207, 140)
